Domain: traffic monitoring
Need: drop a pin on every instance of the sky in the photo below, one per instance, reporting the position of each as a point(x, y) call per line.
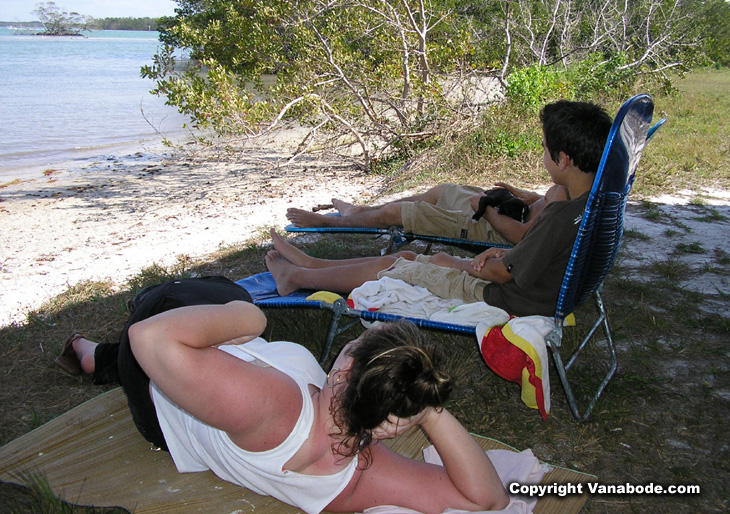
point(22, 10)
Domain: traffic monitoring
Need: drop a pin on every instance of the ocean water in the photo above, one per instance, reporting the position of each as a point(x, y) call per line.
point(70, 98)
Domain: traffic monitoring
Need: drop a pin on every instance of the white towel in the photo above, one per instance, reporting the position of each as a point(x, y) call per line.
point(472, 314)
point(394, 296)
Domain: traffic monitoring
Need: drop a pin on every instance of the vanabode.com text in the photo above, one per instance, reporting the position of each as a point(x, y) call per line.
point(596, 488)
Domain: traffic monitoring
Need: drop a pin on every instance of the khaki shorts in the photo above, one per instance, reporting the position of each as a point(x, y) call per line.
point(449, 283)
point(450, 217)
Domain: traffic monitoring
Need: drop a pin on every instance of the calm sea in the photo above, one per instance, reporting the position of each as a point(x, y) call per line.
point(70, 98)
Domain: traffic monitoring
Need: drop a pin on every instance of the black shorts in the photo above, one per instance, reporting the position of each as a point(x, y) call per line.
point(115, 363)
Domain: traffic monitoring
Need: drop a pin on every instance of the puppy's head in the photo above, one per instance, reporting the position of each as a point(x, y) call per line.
point(514, 208)
point(496, 197)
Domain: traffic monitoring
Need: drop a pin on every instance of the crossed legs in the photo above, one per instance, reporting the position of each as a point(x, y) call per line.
point(292, 269)
point(377, 216)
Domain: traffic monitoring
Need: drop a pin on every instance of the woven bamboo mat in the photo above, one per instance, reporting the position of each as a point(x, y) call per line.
point(93, 455)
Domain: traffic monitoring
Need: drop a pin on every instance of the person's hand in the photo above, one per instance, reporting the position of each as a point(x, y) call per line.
point(474, 202)
point(480, 260)
point(529, 197)
point(395, 426)
point(519, 193)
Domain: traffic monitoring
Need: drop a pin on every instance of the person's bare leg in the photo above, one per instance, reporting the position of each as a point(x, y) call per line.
point(85, 352)
point(301, 259)
point(341, 279)
point(385, 216)
point(347, 209)
point(381, 216)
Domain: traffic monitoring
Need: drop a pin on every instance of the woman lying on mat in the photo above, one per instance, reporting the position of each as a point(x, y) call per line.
point(203, 384)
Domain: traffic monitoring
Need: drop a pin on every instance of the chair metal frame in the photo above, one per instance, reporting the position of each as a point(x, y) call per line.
point(262, 289)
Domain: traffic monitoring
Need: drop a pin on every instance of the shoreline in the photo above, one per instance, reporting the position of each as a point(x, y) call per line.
point(109, 218)
point(74, 160)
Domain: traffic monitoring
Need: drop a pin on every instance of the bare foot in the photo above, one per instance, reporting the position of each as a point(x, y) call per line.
point(306, 219)
point(85, 352)
point(281, 269)
point(345, 208)
point(290, 252)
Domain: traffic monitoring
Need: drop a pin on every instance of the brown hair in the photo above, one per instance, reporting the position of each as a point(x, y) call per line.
point(395, 370)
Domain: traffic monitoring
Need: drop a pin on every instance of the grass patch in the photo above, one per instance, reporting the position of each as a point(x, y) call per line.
point(635, 234)
point(652, 212)
point(679, 156)
point(711, 216)
point(670, 269)
point(722, 257)
point(694, 247)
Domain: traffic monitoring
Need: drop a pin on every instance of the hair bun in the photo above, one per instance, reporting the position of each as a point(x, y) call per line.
point(396, 371)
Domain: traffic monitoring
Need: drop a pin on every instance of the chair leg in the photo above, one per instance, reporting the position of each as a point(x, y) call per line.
point(338, 308)
point(396, 239)
point(389, 248)
point(562, 369)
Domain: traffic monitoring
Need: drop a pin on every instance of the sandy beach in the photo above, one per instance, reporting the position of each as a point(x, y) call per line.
point(109, 218)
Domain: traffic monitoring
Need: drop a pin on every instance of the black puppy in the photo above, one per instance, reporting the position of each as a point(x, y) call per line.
point(505, 202)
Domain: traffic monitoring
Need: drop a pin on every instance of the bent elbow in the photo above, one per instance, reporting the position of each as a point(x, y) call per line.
point(501, 280)
point(501, 502)
point(137, 333)
point(133, 333)
point(500, 276)
point(255, 317)
point(497, 501)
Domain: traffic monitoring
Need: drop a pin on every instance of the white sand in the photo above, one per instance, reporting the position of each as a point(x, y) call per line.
point(112, 218)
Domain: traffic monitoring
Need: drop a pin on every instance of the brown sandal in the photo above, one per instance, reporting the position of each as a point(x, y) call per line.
point(68, 360)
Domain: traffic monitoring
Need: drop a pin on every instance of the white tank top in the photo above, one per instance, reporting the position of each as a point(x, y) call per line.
point(196, 446)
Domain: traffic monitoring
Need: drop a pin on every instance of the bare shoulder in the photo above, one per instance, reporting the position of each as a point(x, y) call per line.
point(253, 421)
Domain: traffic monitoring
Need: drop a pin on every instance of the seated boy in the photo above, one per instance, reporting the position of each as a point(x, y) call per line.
point(523, 280)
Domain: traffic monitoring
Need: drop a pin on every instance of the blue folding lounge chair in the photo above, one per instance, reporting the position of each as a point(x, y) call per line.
point(262, 289)
point(594, 252)
point(599, 238)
